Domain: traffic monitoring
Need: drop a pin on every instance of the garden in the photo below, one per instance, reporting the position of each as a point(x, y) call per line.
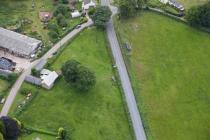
point(169, 68)
point(95, 114)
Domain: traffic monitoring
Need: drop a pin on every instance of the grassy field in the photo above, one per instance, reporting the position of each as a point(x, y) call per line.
point(96, 115)
point(189, 3)
point(169, 67)
point(35, 136)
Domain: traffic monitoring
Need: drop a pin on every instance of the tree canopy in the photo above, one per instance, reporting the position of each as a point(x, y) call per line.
point(101, 15)
point(78, 76)
point(199, 15)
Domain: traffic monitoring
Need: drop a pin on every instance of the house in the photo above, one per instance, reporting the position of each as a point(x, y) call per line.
point(173, 3)
point(75, 14)
point(86, 4)
point(48, 78)
point(164, 1)
point(176, 4)
point(45, 16)
point(6, 64)
point(18, 44)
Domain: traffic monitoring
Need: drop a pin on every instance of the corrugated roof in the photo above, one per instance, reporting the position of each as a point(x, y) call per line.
point(17, 43)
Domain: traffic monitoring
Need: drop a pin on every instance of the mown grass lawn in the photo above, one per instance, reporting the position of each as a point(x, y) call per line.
point(96, 115)
point(35, 136)
point(170, 70)
point(190, 3)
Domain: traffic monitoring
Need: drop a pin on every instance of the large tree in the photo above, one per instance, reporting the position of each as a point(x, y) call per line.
point(101, 15)
point(11, 128)
point(127, 8)
point(199, 15)
point(78, 76)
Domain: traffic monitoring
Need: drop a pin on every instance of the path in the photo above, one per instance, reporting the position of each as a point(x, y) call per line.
point(126, 84)
point(20, 80)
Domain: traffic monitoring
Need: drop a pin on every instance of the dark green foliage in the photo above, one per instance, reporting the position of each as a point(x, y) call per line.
point(91, 11)
point(25, 91)
point(78, 76)
point(64, 1)
point(11, 127)
point(12, 77)
point(70, 71)
point(63, 10)
point(2, 128)
point(53, 35)
point(61, 20)
point(34, 72)
point(86, 79)
point(101, 16)
point(199, 15)
point(53, 27)
point(127, 8)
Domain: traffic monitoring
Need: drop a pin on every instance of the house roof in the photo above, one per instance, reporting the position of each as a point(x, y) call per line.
point(17, 43)
point(45, 72)
point(33, 80)
point(86, 1)
point(49, 79)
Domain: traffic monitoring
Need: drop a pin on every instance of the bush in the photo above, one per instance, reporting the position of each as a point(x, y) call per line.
point(61, 20)
point(53, 27)
point(34, 72)
point(12, 77)
point(63, 10)
point(53, 36)
point(61, 134)
point(25, 91)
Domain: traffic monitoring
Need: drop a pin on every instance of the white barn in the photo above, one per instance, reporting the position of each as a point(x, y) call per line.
point(18, 44)
point(48, 78)
point(86, 4)
point(75, 14)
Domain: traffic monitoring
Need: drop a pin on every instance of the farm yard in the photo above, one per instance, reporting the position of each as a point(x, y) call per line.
point(36, 18)
point(169, 68)
point(97, 114)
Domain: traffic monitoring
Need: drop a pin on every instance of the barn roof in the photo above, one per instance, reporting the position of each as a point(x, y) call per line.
point(17, 43)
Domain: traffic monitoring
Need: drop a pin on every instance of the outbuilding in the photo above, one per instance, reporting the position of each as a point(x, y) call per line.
point(75, 14)
point(48, 78)
point(86, 4)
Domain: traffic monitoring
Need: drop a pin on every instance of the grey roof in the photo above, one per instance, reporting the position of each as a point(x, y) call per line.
point(5, 64)
point(33, 80)
point(18, 43)
point(176, 3)
point(86, 1)
point(41, 64)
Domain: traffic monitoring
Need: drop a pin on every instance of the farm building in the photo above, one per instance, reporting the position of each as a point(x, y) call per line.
point(48, 78)
point(18, 44)
point(86, 4)
point(75, 14)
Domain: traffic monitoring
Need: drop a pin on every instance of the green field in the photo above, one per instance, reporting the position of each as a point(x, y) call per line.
point(35, 136)
point(189, 3)
point(170, 71)
point(96, 115)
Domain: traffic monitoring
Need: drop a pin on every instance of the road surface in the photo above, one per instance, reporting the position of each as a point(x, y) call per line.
point(126, 84)
point(20, 80)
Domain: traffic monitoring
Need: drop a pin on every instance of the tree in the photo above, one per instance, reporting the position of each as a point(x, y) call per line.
point(85, 80)
point(54, 36)
point(78, 76)
point(101, 15)
point(127, 8)
point(11, 127)
point(199, 15)
point(61, 20)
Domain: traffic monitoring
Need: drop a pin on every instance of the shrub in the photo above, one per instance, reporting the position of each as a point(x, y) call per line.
point(25, 91)
point(34, 72)
point(61, 133)
point(61, 20)
point(53, 27)
point(53, 36)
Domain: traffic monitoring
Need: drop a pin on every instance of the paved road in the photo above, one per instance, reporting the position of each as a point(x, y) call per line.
point(126, 84)
point(20, 80)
